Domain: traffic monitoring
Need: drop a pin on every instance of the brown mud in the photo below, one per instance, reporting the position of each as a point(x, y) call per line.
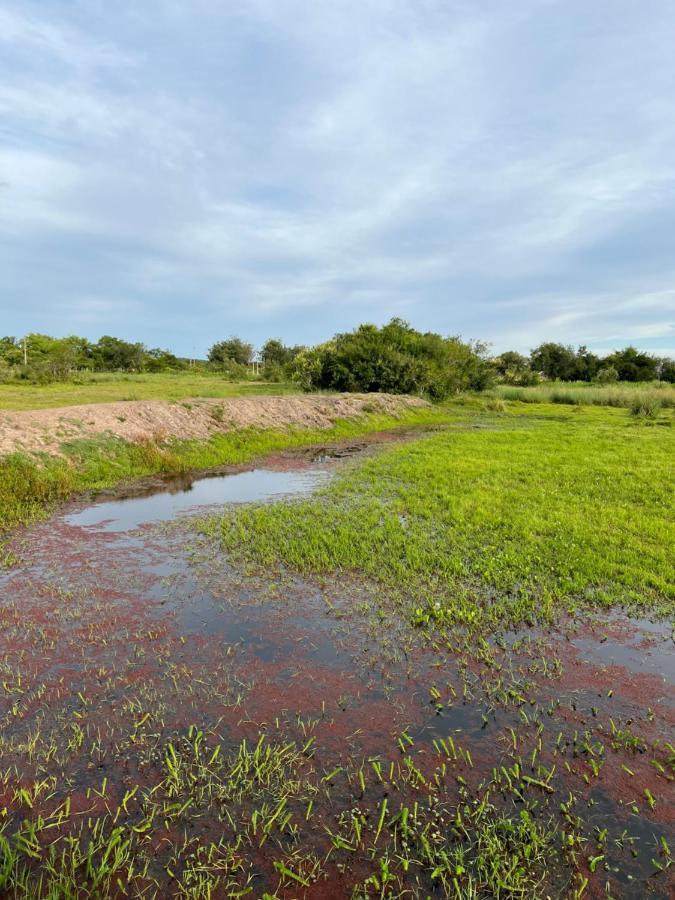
point(123, 631)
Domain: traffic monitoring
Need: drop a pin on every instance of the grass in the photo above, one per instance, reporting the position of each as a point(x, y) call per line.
point(579, 393)
point(106, 388)
point(32, 486)
point(509, 524)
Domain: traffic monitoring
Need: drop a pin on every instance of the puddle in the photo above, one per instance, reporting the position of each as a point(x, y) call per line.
point(256, 486)
point(654, 656)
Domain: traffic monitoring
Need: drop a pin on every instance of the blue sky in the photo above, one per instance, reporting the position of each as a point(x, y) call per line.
point(177, 172)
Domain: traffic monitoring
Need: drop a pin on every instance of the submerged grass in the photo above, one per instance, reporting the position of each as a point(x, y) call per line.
point(31, 486)
point(492, 525)
point(267, 795)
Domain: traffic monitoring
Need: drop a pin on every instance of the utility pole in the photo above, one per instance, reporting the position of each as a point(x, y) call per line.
point(25, 352)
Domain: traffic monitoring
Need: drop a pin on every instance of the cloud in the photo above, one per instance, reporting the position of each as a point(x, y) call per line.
point(281, 167)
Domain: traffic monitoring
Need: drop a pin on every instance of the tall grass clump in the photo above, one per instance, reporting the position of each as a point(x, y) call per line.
point(645, 407)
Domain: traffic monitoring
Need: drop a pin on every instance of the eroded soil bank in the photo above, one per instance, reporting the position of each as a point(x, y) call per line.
point(203, 731)
point(45, 430)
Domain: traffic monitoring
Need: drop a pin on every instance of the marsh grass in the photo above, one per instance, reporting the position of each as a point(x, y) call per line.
point(275, 794)
point(487, 526)
point(579, 393)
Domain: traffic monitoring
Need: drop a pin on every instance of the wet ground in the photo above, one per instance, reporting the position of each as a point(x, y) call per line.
point(123, 630)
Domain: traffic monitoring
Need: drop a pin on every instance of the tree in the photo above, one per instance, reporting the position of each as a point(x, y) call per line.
point(633, 365)
point(157, 360)
point(586, 365)
point(606, 375)
point(555, 361)
point(112, 354)
point(275, 353)
point(277, 359)
point(232, 350)
point(11, 351)
point(667, 370)
point(511, 362)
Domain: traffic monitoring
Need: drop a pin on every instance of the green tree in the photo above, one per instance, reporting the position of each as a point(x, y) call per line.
point(112, 354)
point(11, 351)
point(555, 361)
point(606, 375)
point(667, 370)
point(232, 350)
point(587, 365)
point(633, 365)
point(157, 360)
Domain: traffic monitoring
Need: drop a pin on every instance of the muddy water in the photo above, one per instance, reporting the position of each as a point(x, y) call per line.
point(119, 610)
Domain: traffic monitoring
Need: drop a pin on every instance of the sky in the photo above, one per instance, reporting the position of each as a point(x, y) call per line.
point(178, 172)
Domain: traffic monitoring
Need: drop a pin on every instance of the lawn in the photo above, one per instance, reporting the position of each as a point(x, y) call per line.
point(107, 388)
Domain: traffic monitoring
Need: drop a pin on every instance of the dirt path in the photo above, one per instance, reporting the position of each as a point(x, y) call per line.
point(45, 430)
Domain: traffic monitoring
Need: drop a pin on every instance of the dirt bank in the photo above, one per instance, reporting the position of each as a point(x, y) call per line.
point(45, 430)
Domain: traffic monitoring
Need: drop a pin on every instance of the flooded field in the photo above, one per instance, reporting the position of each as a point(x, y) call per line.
point(174, 724)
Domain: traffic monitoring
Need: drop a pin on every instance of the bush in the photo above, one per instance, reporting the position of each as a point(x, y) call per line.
point(394, 359)
point(607, 375)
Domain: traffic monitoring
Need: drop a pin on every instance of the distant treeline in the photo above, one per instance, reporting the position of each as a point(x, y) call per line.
point(559, 362)
point(395, 358)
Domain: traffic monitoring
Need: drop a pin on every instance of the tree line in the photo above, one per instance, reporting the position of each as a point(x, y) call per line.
point(560, 362)
point(40, 357)
point(394, 358)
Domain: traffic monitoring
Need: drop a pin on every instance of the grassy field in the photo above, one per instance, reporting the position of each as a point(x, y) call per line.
point(532, 514)
point(106, 388)
point(658, 394)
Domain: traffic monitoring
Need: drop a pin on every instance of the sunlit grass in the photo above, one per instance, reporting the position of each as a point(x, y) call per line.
point(106, 388)
point(540, 511)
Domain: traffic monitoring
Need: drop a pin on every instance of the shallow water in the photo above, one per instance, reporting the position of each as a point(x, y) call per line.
point(256, 486)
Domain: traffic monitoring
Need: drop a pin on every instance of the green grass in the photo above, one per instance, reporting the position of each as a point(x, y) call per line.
point(31, 486)
point(106, 388)
point(547, 510)
point(579, 393)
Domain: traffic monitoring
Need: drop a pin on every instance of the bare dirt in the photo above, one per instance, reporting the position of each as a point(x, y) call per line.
point(46, 430)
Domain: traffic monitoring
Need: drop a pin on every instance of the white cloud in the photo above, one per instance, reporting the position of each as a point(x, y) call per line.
point(496, 170)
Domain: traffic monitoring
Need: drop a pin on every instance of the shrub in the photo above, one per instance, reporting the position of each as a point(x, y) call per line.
point(395, 359)
point(607, 375)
